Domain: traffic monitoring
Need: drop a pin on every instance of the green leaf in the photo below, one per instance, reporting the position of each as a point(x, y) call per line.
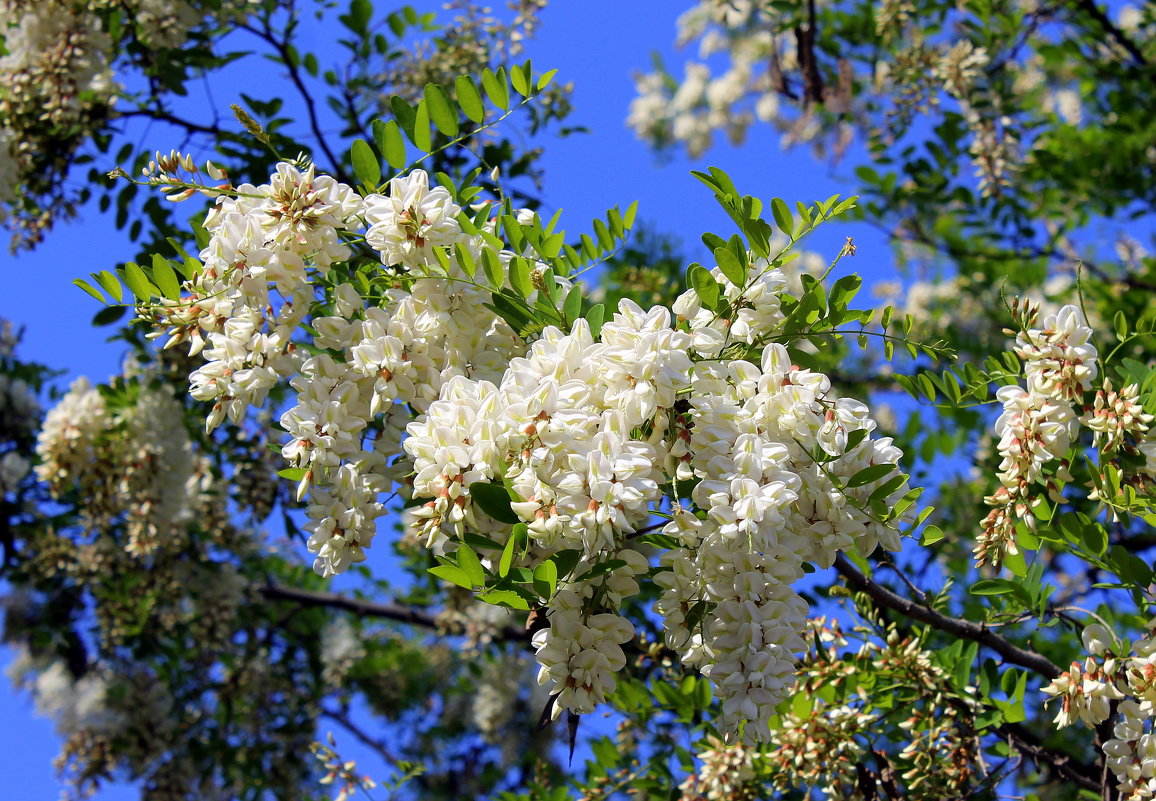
point(476, 541)
point(631, 210)
point(421, 133)
point(605, 239)
point(505, 598)
point(365, 166)
point(1129, 567)
point(962, 674)
point(732, 268)
point(603, 567)
point(572, 306)
point(494, 500)
point(595, 316)
point(441, 109)
point(110, 284)
point(783, 217)
point(546, 579)
point(566, 561)
point(520, 81)
point(545, 79)
point(135, 280)
point(1120, 323)
point(986, 587)
point(992, 587)
point(507, 556)
point(705, 286)
point(869, 474)
point(453, 574)
point(108, 315)
point(360, 13)
point(469, 98)
point(470, 564)
point(931, 535)
point(511, 308)
point(843, 291)
point(166, 278)
point(292, 473)
point(465, 260)
point(493, 268)
point(405, 114)
point(497, 88)
point(90, 289)
point(520, 276)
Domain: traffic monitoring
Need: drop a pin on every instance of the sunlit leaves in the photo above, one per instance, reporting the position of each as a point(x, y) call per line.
point(365, 165)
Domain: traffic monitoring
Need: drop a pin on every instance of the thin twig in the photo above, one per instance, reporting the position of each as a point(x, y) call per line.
point(171, 119)
point(1027, 742)
point(1093, 11)
point(361, 608)
point(282, 49)
point(966, 629)
point(342, 717)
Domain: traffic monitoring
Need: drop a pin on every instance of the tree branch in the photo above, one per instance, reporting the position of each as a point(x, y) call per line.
point(341, 716)
point(1093, 11)
point(172, 119)
point(1027, 742)
point(956, 627)
point(282, 49)
point(388, 611)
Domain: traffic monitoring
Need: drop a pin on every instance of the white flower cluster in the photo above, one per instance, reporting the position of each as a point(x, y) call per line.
point(93, 703)
point(67, 443)
point(19, 415)
point(56, 53)
point(137, 460)
point(726, 773)
point(1038, 424)
point(760, 53)
point(558, 429)
point(755, 310)
point(751, 441)
point(696, 107)
point(496, 695)
point(582, 649)
point(245, 307)
point(341, 647)
point(584, 435)
point(585, 432)
point(1108, 680)
point(960, 66)
point(56, 74)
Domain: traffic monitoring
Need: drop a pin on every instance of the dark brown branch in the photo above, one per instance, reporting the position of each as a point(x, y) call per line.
point(282, 49)
point(388, 611)
point(1093, 11)
point(956, 627)
point(808, 61)
point(1026, 742)
point(1022, 737)
point(342, 717)
point(172, 119)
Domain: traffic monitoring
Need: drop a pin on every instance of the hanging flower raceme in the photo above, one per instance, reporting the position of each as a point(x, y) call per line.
point(445, 356)
point(1038, 425)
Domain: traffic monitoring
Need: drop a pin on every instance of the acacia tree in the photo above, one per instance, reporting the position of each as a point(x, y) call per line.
point(636, 494)
point(153, 616)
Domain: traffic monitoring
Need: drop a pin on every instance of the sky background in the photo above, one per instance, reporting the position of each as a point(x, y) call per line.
point(596, 45)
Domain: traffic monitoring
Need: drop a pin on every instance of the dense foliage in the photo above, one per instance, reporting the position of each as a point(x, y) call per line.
point(687, 495)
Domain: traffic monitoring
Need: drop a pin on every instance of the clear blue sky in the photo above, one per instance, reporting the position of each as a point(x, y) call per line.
point(597, 45)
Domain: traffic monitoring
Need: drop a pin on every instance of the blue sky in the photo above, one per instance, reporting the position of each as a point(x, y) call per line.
point(595, 44)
